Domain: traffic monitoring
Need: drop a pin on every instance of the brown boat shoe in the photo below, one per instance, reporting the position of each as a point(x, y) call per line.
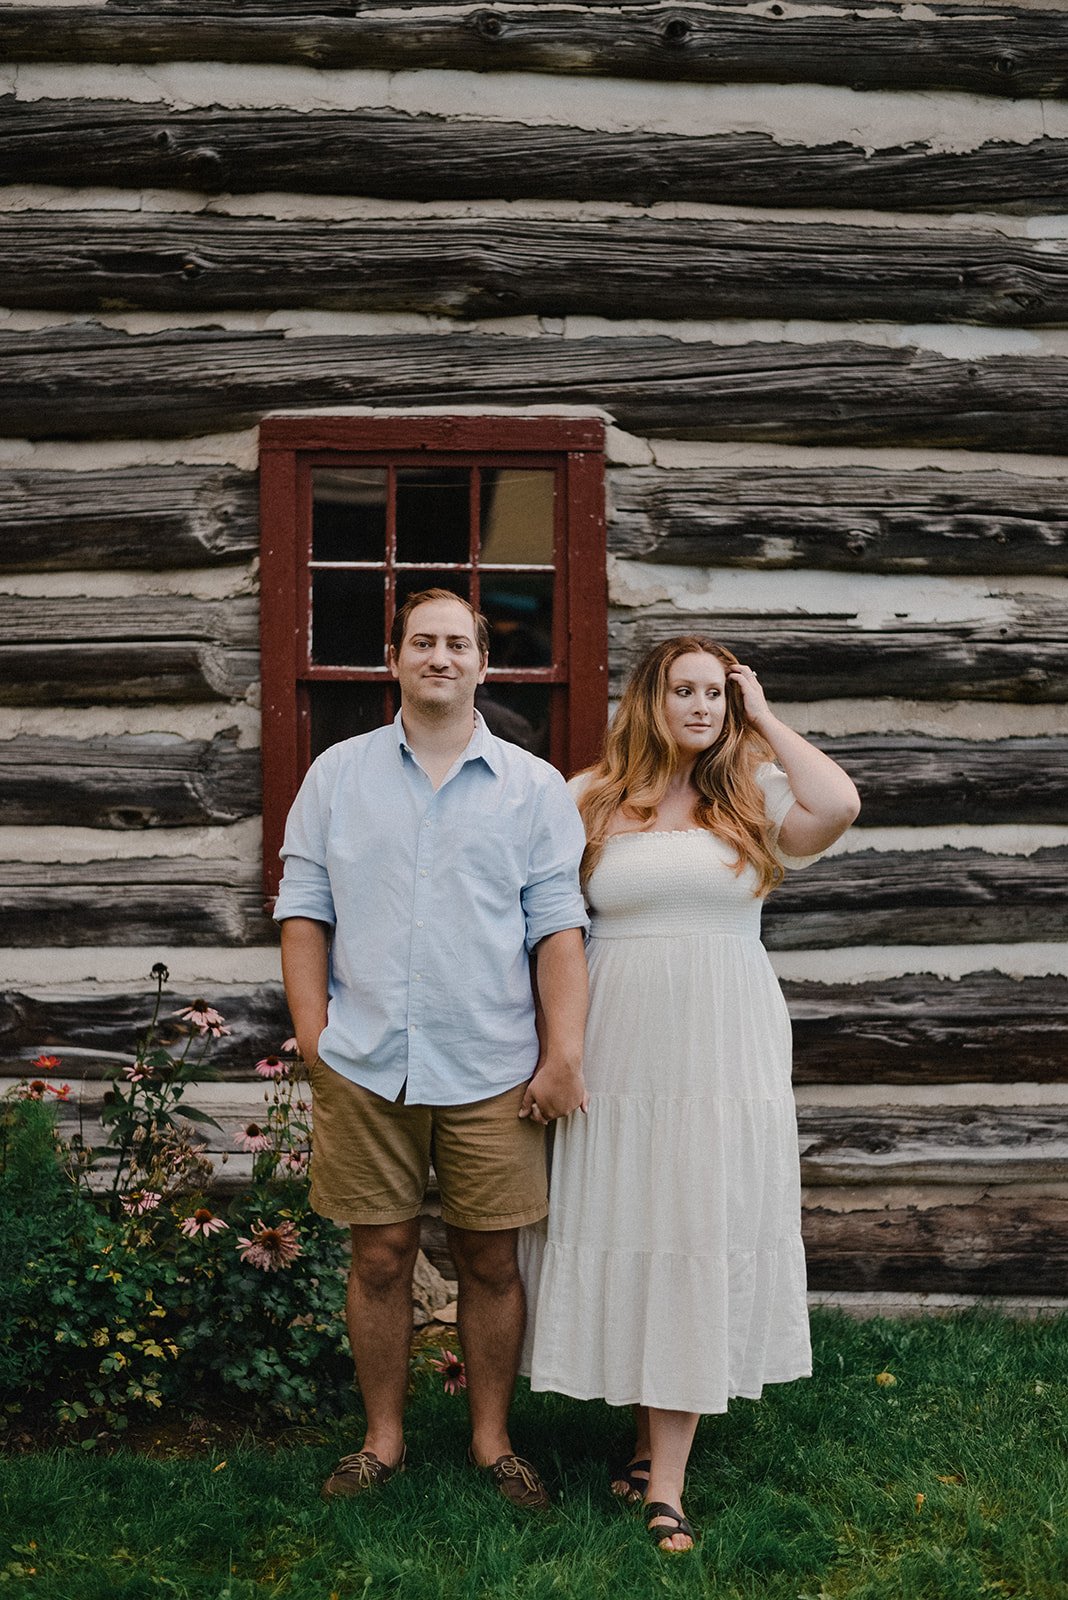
point(359, 1472)
point(517, 1480)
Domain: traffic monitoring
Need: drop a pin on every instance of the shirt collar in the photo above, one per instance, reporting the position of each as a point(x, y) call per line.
point(482, 745)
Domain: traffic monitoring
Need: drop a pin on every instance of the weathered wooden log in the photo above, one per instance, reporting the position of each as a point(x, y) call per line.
point(905, 779)
point(992, 1247)
point(155, 901)
point(150, 517)
point(85, 649)
point(940, 1145)
point(83, 382)
point(467, 269)
point(394, 155)
point(147, 780)
point(919, 897)
point(933, 1144)
point(866, 897)
point(923, 1030)
point(123, 674)
point(159, 780)
point(151, 618)
point(851, 519)
point(91, 1031)
point(848, 519)
point(996, 1247)
point(981, 1028)
point(818, 658)
point(232, 1105)
point(997, 50)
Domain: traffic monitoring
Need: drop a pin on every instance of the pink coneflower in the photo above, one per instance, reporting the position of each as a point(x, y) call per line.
point(203, 1222)
point(272, 1067)
point(138, 1201)
point(205, 1018)
point(453, 1373)
point(291, 1047)
point(46, 1063)
point(270, 1248)
point(295, 1162)
point(35, 1090)
point(253, 1138)
point(138, 1072)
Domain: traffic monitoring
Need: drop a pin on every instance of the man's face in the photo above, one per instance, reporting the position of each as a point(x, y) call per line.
point(438, 665)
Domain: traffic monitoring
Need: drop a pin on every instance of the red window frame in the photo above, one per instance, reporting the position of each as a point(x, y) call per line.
point(291, 446)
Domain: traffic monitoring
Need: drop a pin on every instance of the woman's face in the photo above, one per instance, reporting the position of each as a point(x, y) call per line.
point(695, 703)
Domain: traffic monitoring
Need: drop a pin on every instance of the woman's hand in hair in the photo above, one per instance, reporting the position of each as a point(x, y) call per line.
point(753, 698)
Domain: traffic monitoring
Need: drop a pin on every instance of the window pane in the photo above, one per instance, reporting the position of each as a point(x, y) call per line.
point(414, 582)
point(340, 710)
point(520, 611)
point(517, 516)
point(348, 513)
point(433, 514)
point(348, 619)
point(518, 712)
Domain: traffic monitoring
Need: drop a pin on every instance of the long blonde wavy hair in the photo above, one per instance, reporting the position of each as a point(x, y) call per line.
point(640, 757)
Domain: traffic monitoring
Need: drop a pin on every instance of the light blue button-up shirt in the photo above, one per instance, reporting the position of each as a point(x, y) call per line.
point(435, 899)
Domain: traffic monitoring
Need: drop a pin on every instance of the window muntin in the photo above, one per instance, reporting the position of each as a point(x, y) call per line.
point(484, 527)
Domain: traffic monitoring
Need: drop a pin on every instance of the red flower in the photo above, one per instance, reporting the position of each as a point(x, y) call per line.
point(46, 1063)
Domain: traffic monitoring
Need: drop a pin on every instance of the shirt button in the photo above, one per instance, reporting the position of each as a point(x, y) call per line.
point(419, 924)
point(419, 977)
point(412, 1026)
point(422, 872)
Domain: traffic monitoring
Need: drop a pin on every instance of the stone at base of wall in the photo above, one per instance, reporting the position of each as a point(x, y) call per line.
point(864, 1303)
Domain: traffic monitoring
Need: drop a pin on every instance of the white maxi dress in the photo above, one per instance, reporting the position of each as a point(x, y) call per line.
point(672, 1273)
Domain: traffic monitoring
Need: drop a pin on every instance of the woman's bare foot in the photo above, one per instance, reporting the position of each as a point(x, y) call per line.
point(668, 1528)
point(632, 1480)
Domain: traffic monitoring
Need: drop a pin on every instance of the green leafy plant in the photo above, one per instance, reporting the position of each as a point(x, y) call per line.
point(131, 1287)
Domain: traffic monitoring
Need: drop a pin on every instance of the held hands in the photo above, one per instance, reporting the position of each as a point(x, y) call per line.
point(555, 1090)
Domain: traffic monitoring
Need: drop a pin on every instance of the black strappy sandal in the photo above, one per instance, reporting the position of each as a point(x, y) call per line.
point(658, 1508)
point(634, 1493)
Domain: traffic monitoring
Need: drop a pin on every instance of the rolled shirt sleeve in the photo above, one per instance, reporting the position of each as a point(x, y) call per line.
point(551, 898)
point(305, 889)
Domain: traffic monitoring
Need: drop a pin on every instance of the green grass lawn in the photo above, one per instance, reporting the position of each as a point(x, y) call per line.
point(950, 1483)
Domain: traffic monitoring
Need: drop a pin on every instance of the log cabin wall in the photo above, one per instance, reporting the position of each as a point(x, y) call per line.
point(809, 262)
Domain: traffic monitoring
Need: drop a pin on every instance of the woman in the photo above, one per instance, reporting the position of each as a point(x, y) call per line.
point(674, 1276)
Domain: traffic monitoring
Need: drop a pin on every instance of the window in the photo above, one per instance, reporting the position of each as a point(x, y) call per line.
point(357, 513)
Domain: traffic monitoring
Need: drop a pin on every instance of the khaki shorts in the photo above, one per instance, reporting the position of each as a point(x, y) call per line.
point(371, 1158)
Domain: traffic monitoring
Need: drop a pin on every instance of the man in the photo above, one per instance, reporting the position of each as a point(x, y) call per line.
point(430, 891)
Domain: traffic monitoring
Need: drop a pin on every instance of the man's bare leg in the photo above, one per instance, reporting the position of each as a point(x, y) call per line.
point(379, 1314)
point(491, 1316)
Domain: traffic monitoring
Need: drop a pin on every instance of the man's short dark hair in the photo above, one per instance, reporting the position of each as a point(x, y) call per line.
point(400, 620)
